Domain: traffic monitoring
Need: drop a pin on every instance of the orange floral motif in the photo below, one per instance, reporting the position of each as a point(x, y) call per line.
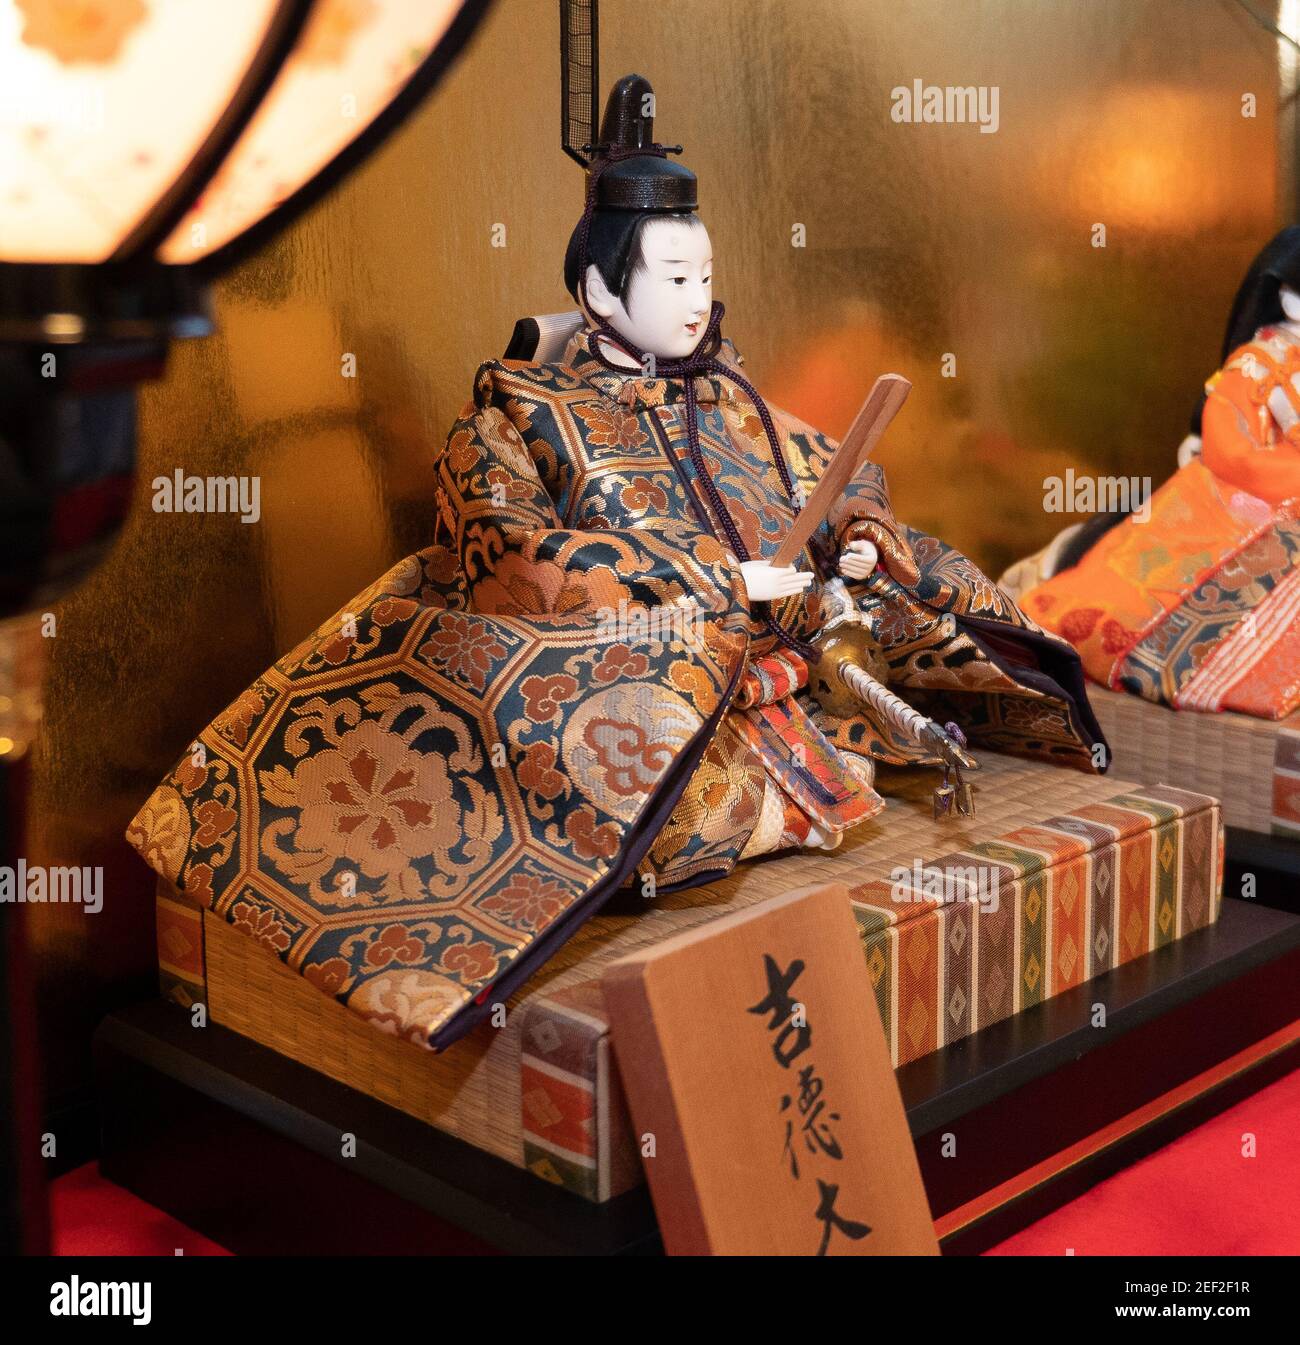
point(471, 962)
point(537, 771)
point(214, 821)
point(335, 652)
point(505, 484)
point(649, 391)
point(388, 610)
point(371, 800)
point(332, 976)
point(1114, 638)
point(984, 594)
point(189, 776)
point(903, 621)
point(160, 831)
point(631, 756)
point(441, 565)
point(520, 414)
point(462, 452)
point(528, 901)
point(198, 884)
point(642, 494)
point(464, 647)
point(519, 587)
point(692, 680)
point(92, 31)
point(1078, 624)
point(260, 924)
point(619, 661)
point(408, 1002)
point(237, 719)
point(1265, 555)
point(611, 428)
point(751, 427)
point(394, 944)
point(589, 840)
point(543, 696)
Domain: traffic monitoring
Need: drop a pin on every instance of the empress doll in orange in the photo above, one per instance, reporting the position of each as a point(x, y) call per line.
point(1198, 604)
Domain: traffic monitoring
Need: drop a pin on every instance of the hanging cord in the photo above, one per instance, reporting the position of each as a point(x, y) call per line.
point(702, 360)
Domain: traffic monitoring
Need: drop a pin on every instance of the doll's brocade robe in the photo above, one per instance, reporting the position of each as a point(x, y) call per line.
point(1198, 606)
point(423, 800)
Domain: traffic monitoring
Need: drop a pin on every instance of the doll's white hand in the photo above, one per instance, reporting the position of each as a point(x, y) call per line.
point(858, 559)
point(766, 582)
point(1283, 411)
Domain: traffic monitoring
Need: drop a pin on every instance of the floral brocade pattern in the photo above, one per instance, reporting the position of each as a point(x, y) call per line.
point(408, 799)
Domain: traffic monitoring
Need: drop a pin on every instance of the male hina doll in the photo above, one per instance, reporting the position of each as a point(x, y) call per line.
point(1197, 606)
point(594, 678)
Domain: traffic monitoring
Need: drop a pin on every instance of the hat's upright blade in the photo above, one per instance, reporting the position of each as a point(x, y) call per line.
point(579, 77)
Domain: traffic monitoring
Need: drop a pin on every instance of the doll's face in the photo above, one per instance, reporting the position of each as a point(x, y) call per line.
point(1290, 303)
point(670, 294)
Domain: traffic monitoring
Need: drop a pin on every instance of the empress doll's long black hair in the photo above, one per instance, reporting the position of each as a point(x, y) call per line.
point(1259, 302)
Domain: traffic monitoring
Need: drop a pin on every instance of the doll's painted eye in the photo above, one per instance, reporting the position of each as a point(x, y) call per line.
point(679, 280)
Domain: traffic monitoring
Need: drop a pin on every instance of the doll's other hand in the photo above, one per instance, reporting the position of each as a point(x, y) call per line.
point(1283, 411)
point(765, 582)
point(858, 559)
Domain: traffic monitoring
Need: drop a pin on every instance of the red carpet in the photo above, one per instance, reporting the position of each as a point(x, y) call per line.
point(1199, 1195)
point(91, 1217)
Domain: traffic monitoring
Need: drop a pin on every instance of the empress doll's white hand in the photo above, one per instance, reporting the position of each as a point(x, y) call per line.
point(1283, 412)
point(765, 582)
point(858, 559)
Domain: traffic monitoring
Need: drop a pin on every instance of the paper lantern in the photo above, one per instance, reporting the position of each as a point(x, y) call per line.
point(146, 145)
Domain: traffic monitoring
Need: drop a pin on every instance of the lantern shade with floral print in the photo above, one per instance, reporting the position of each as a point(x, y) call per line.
point(142, 138)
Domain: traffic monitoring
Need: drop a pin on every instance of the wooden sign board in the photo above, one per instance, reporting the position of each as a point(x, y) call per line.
point(761, 1088)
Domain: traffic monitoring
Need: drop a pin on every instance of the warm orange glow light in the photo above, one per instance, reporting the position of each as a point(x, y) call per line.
point(102, 105)
point(1137, 160)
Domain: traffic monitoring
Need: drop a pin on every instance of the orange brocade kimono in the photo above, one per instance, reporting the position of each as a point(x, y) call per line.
point(1199, 606)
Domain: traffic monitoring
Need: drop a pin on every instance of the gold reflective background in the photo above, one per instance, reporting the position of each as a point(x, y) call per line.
point(922, 241)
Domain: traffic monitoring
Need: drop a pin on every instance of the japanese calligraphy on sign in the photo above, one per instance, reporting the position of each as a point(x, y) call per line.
point(805, 1105)
point(761, 1090)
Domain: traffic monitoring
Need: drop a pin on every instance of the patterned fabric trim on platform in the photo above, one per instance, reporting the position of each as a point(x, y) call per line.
point(1054, 904)
point(567, 1091)
point(1286, 783)
point(182, 972)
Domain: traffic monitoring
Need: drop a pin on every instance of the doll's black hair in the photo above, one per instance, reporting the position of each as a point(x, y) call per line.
point(614, 246)
point(1259, 299)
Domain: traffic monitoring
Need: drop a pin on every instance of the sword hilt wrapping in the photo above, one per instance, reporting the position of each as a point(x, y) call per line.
point(883, 701)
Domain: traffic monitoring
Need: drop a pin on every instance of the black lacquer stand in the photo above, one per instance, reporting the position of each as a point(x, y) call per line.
point(246, 1146)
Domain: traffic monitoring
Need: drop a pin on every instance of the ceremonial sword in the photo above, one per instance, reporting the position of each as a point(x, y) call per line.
point(841, 680)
